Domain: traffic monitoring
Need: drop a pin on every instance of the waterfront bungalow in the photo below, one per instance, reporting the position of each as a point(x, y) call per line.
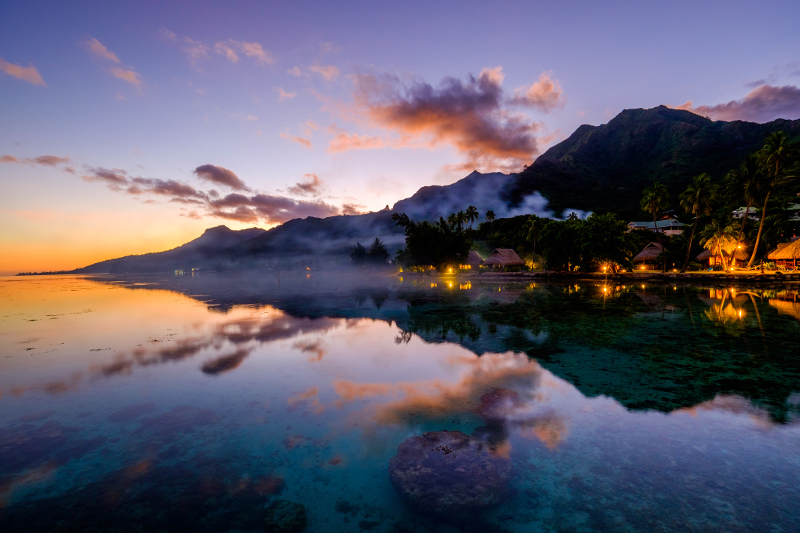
point(752, 214)
point(709, 258)
point(503, 258)
point(787, 255)
point(647, 259)
point(473, 262)
point(669, 226)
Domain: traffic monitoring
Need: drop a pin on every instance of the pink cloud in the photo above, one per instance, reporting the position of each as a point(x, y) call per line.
point(127, 74)
point(762, 104)
point(344, 142)
point(310, 186)
point(225, 50)
point(329, 72)
point(545, 95)
point(299, 140)
point(29, 74)
point(9, 159)
point(469, 116)
point(96, 48)
point(221, 176)
point(283, 95)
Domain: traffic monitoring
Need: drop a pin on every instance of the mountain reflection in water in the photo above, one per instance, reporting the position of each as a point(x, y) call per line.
point(193, 402)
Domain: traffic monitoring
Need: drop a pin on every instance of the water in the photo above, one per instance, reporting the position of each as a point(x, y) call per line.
point(191, 403)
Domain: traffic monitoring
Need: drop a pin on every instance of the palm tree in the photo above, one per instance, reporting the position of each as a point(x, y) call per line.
point(697, 199)
point(742, 184)
point(720, 237)
point(472, 215)
point(534, 227)
point(775, 157)
point(655, 200)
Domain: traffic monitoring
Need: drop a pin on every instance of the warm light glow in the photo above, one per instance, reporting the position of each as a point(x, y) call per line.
point(433, 285)
point(465, 286)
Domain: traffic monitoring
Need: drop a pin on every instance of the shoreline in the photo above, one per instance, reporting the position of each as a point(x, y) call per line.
point(724, 278)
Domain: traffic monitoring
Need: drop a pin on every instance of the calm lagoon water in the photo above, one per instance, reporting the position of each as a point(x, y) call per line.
point(193, 403)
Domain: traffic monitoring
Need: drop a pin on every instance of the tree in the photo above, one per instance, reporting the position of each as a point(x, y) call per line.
point(655, 200)
point(490, 215)
point(358, 254)
point(472, 215)
point(378, 253)
point(697, 199)
point(533, 228)
point(721, 237)
point(741, 185)
point(775, 157)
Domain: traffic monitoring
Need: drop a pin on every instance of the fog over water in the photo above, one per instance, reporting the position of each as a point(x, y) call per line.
point(196, 402)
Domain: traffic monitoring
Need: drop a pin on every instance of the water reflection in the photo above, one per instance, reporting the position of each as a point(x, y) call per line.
point(195, 403)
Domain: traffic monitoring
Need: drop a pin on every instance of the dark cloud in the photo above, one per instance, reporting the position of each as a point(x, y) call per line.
point(115, 178)
point(469, 116)
point(270, 208)
point(310, 186)
point(762, 104)
point(220, 176)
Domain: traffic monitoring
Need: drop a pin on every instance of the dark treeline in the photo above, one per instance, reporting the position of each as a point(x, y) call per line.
point(377, 255)
point(765, 182)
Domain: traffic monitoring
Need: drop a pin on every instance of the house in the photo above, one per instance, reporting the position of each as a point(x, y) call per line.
point(752, 214)
point(504, 258)
point(647, 259)
point(473, 262)
point(787, 255)
point(669, 226)
point(709, 258)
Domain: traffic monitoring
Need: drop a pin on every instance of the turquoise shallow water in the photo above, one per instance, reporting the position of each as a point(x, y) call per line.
point(193, 403)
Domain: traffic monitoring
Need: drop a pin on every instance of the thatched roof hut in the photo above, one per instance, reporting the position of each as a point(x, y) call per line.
point(649, 253)
point(711, 257)
point(786, 255)
point(474, 259)
point(503, 257)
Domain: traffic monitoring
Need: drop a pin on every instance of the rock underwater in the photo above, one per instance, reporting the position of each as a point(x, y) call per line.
point(285, 517)
point(449, 475)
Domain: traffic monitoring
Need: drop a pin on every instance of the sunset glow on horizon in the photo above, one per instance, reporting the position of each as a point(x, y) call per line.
point(131, 128)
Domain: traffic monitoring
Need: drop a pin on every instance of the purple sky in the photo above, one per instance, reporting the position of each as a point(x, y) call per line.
point(128, 128)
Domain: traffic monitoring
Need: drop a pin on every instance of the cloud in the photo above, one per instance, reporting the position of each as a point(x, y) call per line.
point(353, 209)
point(270, 208)
point(49, 160)
point(296, 71)
point(9, 159)
point(96, 48)
point(299, 140)
point(283, 95)
point(256, 52)
point(127, 74)
point(310, 186)
point(469, 116)
point(344, 142)
point(329, 72)
point(194, 50)
point(544, 95)
point(231, 50)
point(220, 176)
point(225, 50)
point(29, 74)
point(762, 104)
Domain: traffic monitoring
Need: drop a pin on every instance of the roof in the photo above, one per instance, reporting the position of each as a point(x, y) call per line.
point(741, 255)
point(789, 251)
point(504, 257)
point(660, 224)
point(474, 258)
point(649, 253)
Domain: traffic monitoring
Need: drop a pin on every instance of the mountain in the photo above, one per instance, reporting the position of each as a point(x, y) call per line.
point(598, 168)
point(606, 168)
point(195, 252)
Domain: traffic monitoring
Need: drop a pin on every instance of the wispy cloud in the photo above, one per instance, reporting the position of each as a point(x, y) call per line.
point(231, 49)
point(295, 138)
point(344, 142)
point(311, 185)
point(29, 74)
point(284, 95)
point(220, 176)
point(96, 48)
point(471, 116)
point(226, 50)
point(328, 72)
point(763, 104)
point(99, 51)
point(44, 160)
point(195, 51)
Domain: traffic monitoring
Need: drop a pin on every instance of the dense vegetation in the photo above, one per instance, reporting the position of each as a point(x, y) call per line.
point(765, 182)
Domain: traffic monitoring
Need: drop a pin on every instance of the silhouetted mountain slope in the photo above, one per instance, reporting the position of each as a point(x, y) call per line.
point(603, 168)
point(191, 254)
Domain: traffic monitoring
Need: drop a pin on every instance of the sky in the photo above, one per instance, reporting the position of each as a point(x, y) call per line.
point(130, 127)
